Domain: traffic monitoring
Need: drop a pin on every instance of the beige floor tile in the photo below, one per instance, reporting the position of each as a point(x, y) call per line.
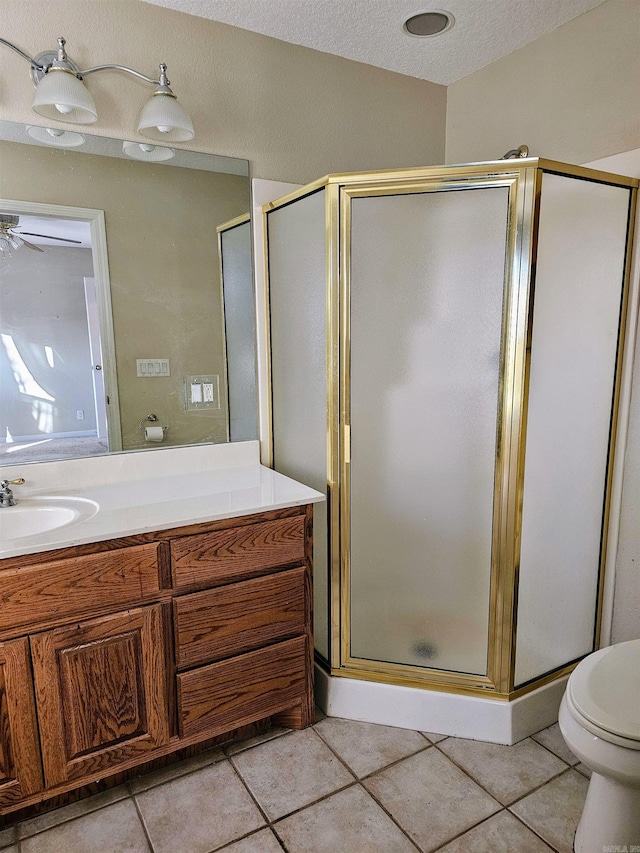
point(366, 747)
point(290, 772)
point(73, 810)
point(347, 821)
point(554, 810)
point(200, 812)
point(431, 798)
point(7, 836)
point(12, 849)
point(114, 829)
point(434, 737)
point(507, 772)
point(246, 743)
point(260, 842)
point(553, 740)
point(502, 833)
point(174, 771)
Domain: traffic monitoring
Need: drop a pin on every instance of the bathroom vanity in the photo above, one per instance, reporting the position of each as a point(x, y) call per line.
point(118, 651)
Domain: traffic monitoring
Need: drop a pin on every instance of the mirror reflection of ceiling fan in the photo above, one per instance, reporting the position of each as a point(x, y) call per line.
point(12, 237)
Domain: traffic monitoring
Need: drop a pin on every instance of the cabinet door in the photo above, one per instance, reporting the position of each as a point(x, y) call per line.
point(100, 693)
point(20, 768)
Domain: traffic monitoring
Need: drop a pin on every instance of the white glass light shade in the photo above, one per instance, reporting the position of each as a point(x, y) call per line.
point(150, 153)
point(62, 97)
point(163, 119)
point(56, 137)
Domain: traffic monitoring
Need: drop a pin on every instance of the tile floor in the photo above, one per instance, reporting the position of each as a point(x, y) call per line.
point(339, 787)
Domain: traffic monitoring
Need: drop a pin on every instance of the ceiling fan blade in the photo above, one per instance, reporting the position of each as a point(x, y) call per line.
point(49, 237)
point(31, 246)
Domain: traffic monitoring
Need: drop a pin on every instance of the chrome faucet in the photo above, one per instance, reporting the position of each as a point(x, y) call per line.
point(6, 495)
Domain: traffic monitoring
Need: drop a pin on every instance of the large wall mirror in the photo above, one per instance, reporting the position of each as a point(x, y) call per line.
point(125, 291)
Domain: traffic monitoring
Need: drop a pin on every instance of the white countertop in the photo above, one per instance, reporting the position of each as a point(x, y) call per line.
point(158, 502)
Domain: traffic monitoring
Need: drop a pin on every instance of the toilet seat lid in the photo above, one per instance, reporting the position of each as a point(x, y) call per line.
point(605, 688)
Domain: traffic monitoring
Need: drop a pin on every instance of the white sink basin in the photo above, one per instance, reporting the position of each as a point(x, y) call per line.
point(32, 516)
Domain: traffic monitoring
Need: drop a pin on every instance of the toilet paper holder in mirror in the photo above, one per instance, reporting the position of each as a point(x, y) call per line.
point(143, 426)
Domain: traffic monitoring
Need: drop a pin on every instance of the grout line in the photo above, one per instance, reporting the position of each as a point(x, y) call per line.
point(253, 832)
point(380, 769)
point(469, 776)
point(551, 751)
point(538, 787)
point(393, 763)
point(69, 819)
point(144, 825)
point(267, 737)
point(469, 828)
point(333, 752)
point(535, 832)
point(392, 818)
point(430, 742)
point(313, 803)
point(249, 791)
point(518, 799)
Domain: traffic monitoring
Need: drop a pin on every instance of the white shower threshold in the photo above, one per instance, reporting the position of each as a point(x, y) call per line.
point(472, 717)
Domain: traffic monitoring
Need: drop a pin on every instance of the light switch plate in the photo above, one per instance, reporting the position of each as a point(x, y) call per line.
point(201, 392)
point(153, 368)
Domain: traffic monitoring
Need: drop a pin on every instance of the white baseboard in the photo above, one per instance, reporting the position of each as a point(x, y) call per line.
point(21, 439)
point(470, 717)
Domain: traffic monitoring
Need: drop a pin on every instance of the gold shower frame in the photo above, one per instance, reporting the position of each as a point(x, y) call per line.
point(523, 177)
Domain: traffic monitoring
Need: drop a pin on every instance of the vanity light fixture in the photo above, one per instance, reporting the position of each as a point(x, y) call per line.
point(55, 136)
point(146, 152)
point(61, 95)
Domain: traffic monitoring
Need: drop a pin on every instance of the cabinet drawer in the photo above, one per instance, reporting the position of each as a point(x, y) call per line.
point(235, 618)
point(77, 585)
point(236, 553)
point(241, 690)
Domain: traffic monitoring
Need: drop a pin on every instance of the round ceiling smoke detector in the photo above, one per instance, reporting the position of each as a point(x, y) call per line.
point(428, 24)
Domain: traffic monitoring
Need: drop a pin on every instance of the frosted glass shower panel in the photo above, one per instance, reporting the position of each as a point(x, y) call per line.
point(576, 319)
point(426, 281)
point(297, 304)
point(240, 331)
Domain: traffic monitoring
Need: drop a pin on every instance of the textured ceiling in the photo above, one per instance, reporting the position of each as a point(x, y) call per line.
point(371, 30)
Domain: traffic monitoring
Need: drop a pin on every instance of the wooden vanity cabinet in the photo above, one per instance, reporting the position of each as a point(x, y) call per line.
point(20, 770)
point(118, 654)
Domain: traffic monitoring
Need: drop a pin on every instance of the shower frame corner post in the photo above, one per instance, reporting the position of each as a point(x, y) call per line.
point(512, 425)
point(523, 181)
point(334, 500)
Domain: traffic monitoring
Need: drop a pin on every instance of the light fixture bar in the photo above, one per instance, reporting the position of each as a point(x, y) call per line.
point(24, 55)
point(120, 68)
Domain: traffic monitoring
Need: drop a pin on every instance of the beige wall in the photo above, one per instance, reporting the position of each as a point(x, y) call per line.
point(163, 264)
point(572, 95)
point(295, 113)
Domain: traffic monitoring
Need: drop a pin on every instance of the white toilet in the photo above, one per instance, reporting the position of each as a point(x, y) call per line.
point(600, 721)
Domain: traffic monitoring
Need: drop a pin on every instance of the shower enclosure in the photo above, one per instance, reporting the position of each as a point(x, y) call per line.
point(446, 349)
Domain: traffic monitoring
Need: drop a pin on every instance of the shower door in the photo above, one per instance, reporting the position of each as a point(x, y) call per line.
point(430, 313)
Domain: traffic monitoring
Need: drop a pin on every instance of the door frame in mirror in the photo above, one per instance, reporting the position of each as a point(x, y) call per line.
point(96, 220)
